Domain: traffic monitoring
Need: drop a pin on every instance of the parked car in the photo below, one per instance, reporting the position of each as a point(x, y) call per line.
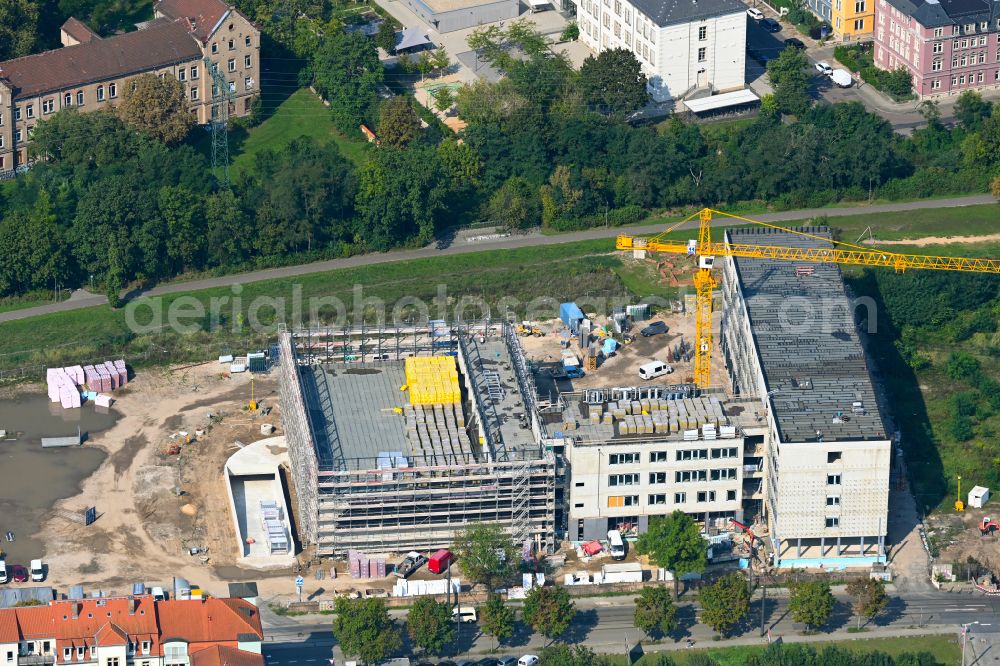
point(770, 25)
point(413, 561)
point(528, 660)
point(795, 42)
point(488, 661)
point(4, 577)
point(507, 661)
point(18, 573)
point(823, 67)
point(465, 615)
point(763, 57)
point(465, 662)
point(37, 571)
point(755, 13)
point(842, 78)
point(655, 328)
point(654, 369)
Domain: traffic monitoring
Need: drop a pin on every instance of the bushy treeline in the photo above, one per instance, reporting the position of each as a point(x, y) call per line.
point(545, 145)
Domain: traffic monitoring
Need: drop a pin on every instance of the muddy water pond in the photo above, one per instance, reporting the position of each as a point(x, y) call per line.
point(33, 479)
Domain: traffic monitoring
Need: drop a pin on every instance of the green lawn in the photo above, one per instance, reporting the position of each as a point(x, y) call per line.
point(302, 114)
point(945, 649)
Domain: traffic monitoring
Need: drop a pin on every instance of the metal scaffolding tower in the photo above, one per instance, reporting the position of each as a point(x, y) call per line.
point(222, 98)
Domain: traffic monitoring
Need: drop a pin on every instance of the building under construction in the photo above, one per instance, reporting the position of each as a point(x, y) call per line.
point(400, 437)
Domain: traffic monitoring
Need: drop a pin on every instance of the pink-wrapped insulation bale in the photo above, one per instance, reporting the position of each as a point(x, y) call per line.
point(122, 372)
point(111, 374)
point(103, 400)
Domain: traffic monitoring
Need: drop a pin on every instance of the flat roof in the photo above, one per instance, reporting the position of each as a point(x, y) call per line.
point(671, 12)
point(681, 414)
point(722, 101)
point(353, 412)
point(510, 408)
point(810, 353)
point(441, 6)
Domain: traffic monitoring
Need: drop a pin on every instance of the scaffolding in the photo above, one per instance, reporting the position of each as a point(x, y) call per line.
point(430, 493)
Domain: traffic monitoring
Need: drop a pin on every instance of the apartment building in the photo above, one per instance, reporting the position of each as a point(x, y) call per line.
point(132, 631)
point(682, 46)
point(790, 342)
point(852, 20)
point(90, 73)
point(948, 46)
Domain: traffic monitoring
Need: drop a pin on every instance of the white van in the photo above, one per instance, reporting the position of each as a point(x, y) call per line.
point(3, 572)
point(617, 545)
point(37, 571)
point(464, 614)
point(654, 369)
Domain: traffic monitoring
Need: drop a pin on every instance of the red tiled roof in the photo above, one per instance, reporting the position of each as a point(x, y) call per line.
point(9, 631)
point(35, 621)
point(209, 620)
point(221, 655)
point(79, 30)
point(205, 14)
point(111, 634)
point(163, 43)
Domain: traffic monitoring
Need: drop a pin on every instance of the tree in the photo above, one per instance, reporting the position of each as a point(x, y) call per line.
point(570, 33)
point(995, 187)
point(364, 629)
point(430, 624)
point(33, 252)
point(675, 542)
point(398, 123)
point(486, 554)
point(811, 603)
point(613, 81)
point(496, 619)
point(971, 109)
point(347, 72)
point(576, 655)
point(725, 603)
point(514, 206)
point(385, 39)
point(18, 28)
point(870, 599)
point(182, 211)
point(158, 107)
point(444, 98)
point(424, 64)
point(549, 610)
point(655, 612)
point(789, 80)
point(440, 60)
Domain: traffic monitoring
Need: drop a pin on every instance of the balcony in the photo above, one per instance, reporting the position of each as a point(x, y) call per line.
point(36, 660)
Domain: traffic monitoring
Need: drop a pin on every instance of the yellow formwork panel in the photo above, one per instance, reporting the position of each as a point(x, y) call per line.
point(432, 380)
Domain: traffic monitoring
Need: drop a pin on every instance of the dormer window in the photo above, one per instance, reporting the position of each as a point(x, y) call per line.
point(81, 652)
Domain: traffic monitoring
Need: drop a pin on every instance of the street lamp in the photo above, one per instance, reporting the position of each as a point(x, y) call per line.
point(965, 637)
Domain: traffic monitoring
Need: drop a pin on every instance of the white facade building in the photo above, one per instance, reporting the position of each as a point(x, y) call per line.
point(683, 45)
point(689, 456)
point(790, 340)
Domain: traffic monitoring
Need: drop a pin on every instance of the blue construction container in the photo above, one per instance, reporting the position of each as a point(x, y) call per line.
point(571, 315)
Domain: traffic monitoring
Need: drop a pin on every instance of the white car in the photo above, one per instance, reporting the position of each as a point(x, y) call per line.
point(3, 572)
point(37, 571)
point(527, 660)
point(755, 13)
point(824, 68)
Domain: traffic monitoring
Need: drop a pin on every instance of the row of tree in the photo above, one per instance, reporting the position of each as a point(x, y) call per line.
point(486, 556)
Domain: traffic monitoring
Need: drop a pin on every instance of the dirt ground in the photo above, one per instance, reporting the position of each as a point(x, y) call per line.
point(145, 528)
point(958, 537)
point(622, 368)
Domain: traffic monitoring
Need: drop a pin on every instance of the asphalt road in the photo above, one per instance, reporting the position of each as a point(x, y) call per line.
point(464, 245)
point(605, 624)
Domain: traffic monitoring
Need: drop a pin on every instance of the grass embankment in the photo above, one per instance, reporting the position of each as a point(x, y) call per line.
point(945, 650)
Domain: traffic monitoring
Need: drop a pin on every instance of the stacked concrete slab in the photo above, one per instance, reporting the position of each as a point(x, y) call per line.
point(361, 566)
point(436, 432)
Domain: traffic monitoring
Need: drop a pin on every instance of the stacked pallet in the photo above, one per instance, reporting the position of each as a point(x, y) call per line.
point(361, 566)
point(62, 388)
point(432, 380)
point(435, 432)
point(274, 527)
point(649, 416)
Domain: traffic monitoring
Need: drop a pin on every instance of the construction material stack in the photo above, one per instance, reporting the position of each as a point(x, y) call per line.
point(432, 380)
point(435, 423)
point(277, 537)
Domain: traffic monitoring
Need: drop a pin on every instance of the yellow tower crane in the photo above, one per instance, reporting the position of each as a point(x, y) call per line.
point(705, 250)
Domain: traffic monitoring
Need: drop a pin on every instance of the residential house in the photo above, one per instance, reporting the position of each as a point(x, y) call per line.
point(132, 631)
point(682, 46)
point(90, 73)
point(852, 20)
point(948, 46)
